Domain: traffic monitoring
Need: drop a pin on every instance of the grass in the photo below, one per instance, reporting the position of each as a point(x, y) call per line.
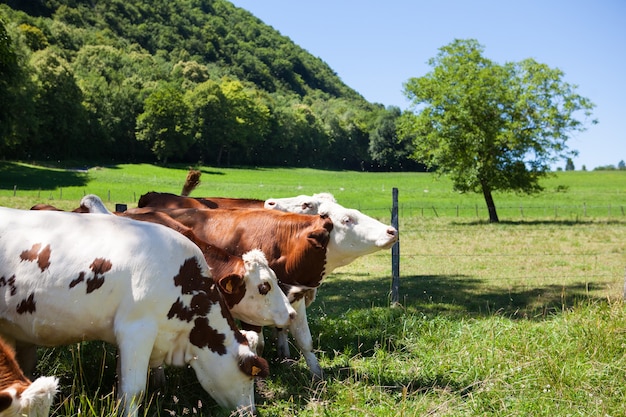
point(525, 317)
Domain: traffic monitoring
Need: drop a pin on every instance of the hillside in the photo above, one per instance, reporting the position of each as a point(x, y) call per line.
point(183, 80)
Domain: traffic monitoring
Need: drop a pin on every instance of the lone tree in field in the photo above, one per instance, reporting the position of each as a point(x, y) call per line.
point(491, 127)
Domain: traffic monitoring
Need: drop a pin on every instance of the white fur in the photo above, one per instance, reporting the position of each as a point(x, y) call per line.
point(37, 398)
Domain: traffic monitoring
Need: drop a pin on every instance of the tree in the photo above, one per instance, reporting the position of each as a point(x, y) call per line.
point(60, 131)
point(569, 165)
point(386, 148)
point(491, 127)
point(164, 124)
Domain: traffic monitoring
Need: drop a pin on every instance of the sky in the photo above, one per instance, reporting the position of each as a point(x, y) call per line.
point(376, 46)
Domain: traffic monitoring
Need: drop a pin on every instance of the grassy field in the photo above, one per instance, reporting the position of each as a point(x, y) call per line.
point(525, 317)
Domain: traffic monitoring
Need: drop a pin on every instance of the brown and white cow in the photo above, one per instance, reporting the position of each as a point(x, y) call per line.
point(67, 278)
point(249, 286)
point(19, 397)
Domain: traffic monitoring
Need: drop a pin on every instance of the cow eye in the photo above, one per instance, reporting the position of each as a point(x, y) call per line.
point(264, 288)
point(347, 220)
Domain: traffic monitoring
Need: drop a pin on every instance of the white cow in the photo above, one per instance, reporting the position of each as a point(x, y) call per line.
point(303, 204)
point(354, 235)
point(67, 278)
point(19, 397)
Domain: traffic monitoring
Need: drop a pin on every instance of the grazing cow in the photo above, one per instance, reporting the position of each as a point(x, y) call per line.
point(67, 278)
point(19, 397)
point(248, 285)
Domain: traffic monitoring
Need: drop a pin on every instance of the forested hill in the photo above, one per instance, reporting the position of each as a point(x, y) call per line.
point(198, 81)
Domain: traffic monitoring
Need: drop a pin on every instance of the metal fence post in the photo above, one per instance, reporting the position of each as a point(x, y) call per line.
point(395, 252)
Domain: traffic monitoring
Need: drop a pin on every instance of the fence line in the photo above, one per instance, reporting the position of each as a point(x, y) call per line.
point(506, 211)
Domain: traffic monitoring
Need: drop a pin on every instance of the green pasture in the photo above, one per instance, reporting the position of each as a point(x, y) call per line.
point(568, 195)
point(521, 318)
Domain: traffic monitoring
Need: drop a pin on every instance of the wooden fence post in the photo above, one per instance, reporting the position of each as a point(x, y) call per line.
point(395, 253)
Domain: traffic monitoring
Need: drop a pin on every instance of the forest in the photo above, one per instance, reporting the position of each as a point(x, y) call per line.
point(178, 81)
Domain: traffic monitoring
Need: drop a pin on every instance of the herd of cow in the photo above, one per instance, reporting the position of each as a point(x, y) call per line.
point(169, 295)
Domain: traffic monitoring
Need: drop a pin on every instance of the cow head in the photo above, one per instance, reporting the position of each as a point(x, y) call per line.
point(303, 204)
point(354, 234)
point(261, 301)
point(230, 378)
point(34, 401)
point(91, 203)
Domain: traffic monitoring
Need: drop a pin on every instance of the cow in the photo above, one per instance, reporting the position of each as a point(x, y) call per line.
point(301, 249)
point(249, 286)
point(19, 397)
point(67, 278)
point(173, 201)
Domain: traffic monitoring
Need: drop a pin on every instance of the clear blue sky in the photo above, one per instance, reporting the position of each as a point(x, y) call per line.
point(376, 46)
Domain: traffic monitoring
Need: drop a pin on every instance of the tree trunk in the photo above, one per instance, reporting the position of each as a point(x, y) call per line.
point(491, 206)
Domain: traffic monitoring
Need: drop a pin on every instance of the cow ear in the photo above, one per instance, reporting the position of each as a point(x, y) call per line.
point(254, 366)
point(230, 283)
point(319, 238)
point(5, 400)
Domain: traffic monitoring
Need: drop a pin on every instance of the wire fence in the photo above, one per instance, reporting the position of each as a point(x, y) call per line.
point(562, 212)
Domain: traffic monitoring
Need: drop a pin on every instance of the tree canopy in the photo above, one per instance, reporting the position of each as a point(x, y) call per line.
point(491, 127)
point(92, 79)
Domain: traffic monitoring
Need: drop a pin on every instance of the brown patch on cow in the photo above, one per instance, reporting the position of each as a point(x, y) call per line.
point(180, 311)
point(206, 296)
point(10, 282)
point(31, 254)
point(99, 267)
point(34, 254)
point(44, 258)
point(191, 280)
point(173, 201)
point(200, 306)
point(203, 335)
point(27, 305)
point(75, 282)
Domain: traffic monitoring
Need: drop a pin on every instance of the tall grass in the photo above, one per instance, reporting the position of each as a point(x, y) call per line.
point(525, 317)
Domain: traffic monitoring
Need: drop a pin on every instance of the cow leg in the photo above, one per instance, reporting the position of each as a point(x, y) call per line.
point(26, 356)
point(157, 378)
point(302, 334)
point(135, 342)
point(282, 342)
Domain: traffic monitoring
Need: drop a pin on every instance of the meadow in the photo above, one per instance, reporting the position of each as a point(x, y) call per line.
point(524, 317)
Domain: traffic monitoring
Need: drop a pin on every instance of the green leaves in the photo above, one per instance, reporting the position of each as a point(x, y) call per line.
point(491, 127)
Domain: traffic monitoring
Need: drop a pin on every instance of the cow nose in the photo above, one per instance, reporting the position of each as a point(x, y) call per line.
point(392, 231)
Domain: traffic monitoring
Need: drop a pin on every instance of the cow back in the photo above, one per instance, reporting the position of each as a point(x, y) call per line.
point(294, 244)
point(173, 201)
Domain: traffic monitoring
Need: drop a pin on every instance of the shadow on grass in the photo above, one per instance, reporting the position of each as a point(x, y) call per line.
point(24, 177)
point(351, 318)
point(457, 294)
